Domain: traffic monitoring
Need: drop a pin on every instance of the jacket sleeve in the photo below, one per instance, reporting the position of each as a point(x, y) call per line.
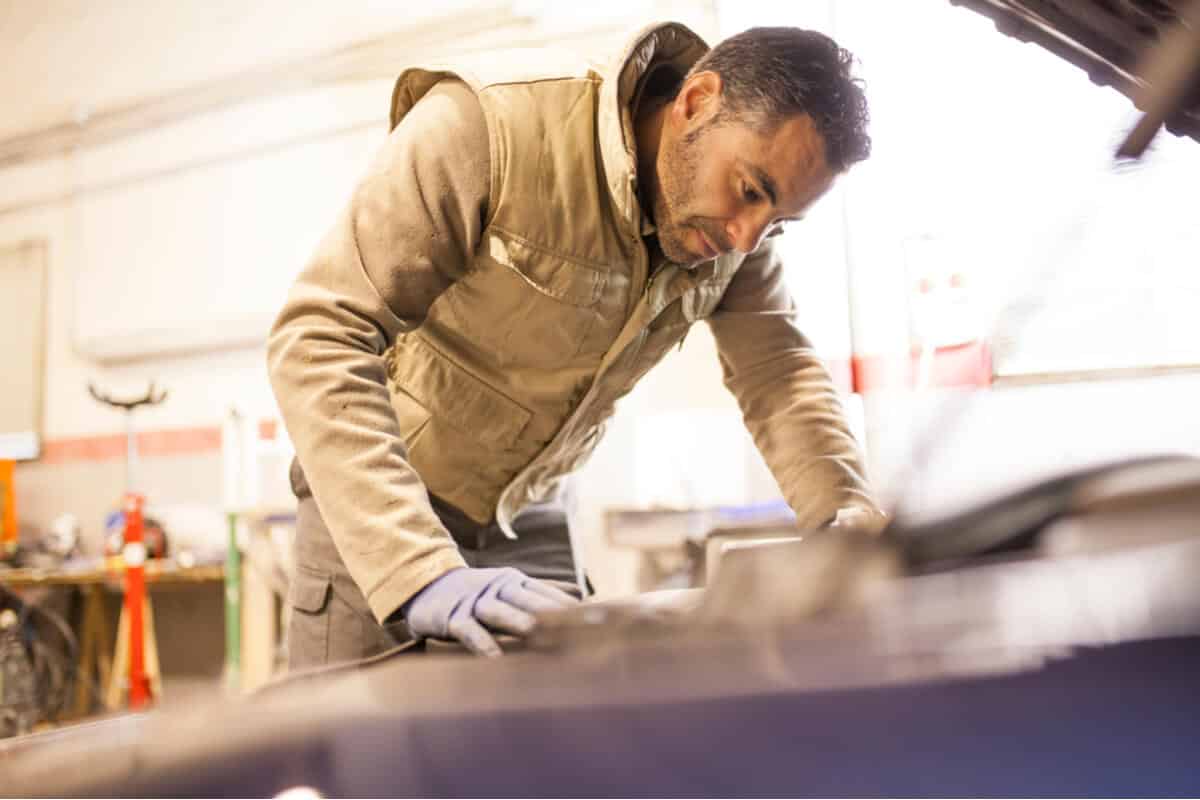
point(406, 234)
point(787, 397)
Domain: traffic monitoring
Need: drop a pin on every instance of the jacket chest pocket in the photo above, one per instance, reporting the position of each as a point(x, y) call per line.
point(670, 327)
point(667, 331)
point(700, 302)
point(429, 392)
point(536, 310)
point(463, 437)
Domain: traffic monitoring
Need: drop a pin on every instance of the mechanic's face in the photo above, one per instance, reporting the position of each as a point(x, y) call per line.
point(722, 187)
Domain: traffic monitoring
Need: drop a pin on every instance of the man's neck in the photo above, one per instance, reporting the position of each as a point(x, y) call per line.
point(647, 127)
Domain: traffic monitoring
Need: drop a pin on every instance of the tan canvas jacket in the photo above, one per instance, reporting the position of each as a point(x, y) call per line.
point(547, 308)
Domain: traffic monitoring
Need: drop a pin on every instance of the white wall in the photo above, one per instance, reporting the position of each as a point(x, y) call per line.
point(66, 63)
point(132, 262)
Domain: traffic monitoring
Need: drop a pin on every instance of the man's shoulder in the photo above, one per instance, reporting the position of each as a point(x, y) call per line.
point(489, 77)
point(527, 65)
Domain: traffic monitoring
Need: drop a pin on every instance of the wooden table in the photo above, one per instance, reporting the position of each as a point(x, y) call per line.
point(157, 571)
point(92, 580)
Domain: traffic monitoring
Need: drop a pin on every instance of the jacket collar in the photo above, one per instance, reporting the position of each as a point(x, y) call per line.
point(668, 42)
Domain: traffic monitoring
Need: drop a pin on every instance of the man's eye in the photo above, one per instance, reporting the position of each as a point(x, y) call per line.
point(749, 193)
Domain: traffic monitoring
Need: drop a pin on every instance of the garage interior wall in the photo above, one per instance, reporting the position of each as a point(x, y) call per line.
point(22, 348)
point(203, 149)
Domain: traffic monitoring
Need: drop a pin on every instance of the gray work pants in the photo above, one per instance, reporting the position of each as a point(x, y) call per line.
point(330, 619)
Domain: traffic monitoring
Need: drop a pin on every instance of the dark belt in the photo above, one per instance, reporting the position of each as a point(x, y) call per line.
point(466, 532)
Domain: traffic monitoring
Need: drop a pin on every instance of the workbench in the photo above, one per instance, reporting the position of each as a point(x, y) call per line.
point(259, 626)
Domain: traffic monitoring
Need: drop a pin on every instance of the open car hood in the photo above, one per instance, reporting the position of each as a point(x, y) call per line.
point(1148, 50)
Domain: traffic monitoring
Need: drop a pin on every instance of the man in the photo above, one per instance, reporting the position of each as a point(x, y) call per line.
point(530, 241)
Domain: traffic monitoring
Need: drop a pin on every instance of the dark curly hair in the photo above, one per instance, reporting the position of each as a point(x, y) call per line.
point(771, 74)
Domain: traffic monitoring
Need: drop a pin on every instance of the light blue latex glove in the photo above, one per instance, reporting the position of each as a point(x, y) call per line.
point(466, 603)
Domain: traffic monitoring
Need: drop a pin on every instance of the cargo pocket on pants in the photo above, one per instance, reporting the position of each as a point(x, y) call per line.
point(308, 631)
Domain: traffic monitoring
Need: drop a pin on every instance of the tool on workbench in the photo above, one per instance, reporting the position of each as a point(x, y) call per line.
point(135, 611)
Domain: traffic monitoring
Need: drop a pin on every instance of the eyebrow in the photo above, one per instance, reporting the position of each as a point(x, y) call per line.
point(764, 180)
point(768, 185)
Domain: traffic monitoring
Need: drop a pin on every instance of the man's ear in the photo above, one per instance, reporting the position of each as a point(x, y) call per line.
point(698, 101)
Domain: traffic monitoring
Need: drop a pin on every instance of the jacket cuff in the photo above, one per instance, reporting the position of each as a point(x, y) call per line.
point(398, 588)
point(859, 517)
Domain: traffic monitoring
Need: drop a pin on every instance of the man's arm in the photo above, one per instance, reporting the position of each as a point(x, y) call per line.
point(407, 234)
point(787, 397)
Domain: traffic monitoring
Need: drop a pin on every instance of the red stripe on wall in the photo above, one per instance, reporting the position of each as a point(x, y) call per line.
point(962, 365)
point(111, 447)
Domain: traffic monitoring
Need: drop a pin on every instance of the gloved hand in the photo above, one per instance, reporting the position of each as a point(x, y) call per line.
point(466, 603)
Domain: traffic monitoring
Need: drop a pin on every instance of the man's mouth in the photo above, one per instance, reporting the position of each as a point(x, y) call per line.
point(708, 250)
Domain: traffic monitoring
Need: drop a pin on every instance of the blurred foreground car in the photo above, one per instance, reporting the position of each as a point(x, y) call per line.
point(1045, 643)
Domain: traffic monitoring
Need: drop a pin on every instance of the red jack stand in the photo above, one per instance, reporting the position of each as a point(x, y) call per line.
point(134, 555)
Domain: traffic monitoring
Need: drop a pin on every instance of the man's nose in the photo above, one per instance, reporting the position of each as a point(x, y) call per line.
point(746, 232)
